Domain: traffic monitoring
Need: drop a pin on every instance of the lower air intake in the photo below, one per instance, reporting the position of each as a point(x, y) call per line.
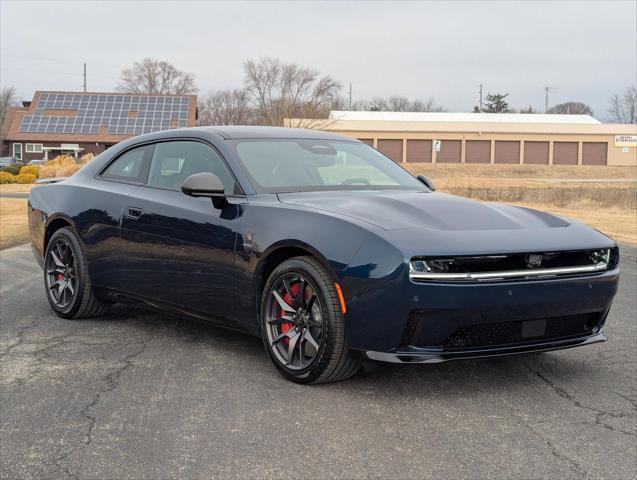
point(507, 333)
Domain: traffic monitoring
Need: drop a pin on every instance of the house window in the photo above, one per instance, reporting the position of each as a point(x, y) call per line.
point(33, 148)
point(17, 151)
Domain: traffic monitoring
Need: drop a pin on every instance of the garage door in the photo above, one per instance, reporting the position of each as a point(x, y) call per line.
point(477, 151)
point(368, 141)
point(507, 152)
point(419, 151)
point(536, 153)
point(594, 153)
point(564, 153)
point(450, 151)
point(392, 148)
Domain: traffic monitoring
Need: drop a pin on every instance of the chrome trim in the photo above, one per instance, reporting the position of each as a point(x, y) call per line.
point(531, 273)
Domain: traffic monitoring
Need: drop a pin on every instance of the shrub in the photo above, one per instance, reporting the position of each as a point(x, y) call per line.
point(60, 166)
point(12, 169)
point(25, 178)
point(30, 170)
point(61, 160)
point(6, 177)
point(86, 158)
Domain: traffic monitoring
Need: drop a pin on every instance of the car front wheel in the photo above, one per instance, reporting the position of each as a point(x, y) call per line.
point(302, 324)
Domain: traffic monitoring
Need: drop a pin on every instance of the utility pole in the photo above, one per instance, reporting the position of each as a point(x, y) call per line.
point(546, 97)
point(480, 98)
point(350, 96)
point(84, 75)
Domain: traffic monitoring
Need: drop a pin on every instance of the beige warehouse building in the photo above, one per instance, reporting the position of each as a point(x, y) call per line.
point(497, 138)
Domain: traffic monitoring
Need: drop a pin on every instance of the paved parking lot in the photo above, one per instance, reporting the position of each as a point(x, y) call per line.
point(138, 395)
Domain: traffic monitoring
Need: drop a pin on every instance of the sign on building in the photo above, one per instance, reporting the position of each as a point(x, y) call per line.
point(436, 144)
point(626, 140)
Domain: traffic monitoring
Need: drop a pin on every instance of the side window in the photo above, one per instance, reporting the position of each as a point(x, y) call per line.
point(173, 162)
point(132, 166)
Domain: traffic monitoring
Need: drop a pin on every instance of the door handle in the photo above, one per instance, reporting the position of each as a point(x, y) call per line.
point(134, 213)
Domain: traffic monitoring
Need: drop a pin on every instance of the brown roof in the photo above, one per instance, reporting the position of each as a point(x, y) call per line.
point(13, 120)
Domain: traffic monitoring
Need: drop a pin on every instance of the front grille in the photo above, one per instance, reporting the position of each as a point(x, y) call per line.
point(527, 266)
point(507, 333)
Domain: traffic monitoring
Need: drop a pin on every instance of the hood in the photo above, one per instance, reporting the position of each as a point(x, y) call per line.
point(452, 223)
point(392, 210)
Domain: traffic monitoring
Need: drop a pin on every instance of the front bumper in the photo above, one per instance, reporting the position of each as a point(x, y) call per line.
point(433, 355)
point(395, 319)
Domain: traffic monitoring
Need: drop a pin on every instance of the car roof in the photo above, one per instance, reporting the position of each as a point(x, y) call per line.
point(253, 132)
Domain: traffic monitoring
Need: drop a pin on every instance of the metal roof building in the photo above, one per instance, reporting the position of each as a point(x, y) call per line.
point(506, 138)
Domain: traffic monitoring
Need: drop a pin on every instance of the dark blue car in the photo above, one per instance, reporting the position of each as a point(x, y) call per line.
point(322, 246)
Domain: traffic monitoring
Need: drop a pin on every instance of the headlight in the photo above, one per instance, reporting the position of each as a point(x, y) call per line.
point(600, 256)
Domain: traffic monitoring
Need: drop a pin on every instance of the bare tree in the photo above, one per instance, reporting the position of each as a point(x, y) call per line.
point(226, 107)
point(623, 108)
point(428, 105)
point(158, 77)
point(281, 91)
point(8, 99)
point(398, 104)
point(571, 108)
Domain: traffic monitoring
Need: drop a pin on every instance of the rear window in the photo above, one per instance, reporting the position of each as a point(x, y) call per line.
point(132, 166)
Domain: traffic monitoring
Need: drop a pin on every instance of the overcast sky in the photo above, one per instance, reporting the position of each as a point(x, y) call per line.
point(586, 50)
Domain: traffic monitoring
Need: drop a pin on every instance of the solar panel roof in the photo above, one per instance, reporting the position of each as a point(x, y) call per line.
point(122, 114)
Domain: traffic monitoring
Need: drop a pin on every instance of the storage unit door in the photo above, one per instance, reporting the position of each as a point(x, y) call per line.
point(536, 153)
point(564, 153)
point(392, 148)
point(477, 151)
point(419, 151)
point(368, 141)
point(507, 152)
point(450, 151)
point(594, 153)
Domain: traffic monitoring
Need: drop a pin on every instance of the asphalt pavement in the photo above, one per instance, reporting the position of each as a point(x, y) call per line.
point(138, 395)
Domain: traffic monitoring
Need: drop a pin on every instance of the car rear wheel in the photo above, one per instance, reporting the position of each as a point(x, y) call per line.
point(302, 325)
point(66, 278)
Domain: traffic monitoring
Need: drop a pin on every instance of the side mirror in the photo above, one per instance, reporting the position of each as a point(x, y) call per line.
point(205, 184)
point(428, 183)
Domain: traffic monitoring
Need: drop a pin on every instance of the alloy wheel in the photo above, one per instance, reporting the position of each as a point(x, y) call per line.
point(294, 321)
point(61, 274)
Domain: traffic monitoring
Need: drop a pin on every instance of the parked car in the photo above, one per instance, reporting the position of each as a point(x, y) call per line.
point(37, 162)
point(8, 161)
point(329, 251)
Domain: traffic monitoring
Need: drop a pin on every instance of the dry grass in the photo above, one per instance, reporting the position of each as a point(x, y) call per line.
point(442, 171)
point(64, 166)
point(15, 188)
point(14, 228)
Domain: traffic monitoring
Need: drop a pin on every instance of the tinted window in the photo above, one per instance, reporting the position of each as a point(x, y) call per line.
point(302, 165)
point(173, 162)
point(131, 166)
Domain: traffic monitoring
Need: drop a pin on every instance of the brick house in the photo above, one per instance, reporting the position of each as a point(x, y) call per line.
point(76, 123)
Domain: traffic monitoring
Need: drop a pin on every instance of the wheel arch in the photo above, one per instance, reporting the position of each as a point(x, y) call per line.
point(53, 225)
point(280, 252)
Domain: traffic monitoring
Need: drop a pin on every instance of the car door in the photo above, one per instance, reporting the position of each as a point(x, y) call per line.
point(99, 217)
point(180, 249)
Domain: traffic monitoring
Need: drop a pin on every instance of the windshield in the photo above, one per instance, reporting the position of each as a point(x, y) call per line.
point(276, 165)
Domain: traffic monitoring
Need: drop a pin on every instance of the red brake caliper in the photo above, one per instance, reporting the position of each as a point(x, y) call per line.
point(288, 299)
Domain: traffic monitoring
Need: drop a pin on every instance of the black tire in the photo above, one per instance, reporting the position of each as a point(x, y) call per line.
point(331, 362)
point(81, 302)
